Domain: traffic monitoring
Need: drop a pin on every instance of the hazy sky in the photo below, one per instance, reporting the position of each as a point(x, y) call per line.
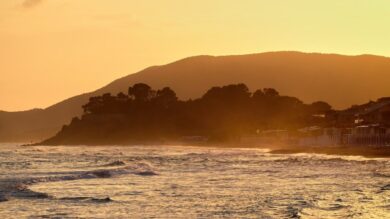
point(53, 49)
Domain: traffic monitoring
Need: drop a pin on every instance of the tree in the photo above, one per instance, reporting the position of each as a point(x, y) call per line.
point(270, 92)
point(165, 97)
point(229, 93)
point(141, 92)
point(222, 113)
point(121, 95)
point(258, 94)
point(107, 97)
point(320, 107)
point(94, 104)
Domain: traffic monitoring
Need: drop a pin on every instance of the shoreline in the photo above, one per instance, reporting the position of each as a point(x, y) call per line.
point(364, 151)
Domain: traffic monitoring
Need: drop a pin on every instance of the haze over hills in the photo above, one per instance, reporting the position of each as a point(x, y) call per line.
point(339, 80)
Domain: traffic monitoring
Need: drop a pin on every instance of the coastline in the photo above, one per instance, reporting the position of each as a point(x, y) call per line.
point(364, 151)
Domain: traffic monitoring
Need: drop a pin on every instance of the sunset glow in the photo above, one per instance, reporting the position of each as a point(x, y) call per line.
point(51, 50)
point(194, 109)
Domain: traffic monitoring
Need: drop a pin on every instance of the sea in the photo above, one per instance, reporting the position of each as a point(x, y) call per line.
point(157, 181)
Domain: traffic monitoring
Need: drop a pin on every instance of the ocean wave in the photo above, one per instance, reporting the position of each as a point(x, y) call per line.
point(116, 163)
point(351, 158)
point(20, 188)
point(3, 198)
point(27, 193)
point(293, 212)
point(385, 187)
point(88, 199)
point(320, 159)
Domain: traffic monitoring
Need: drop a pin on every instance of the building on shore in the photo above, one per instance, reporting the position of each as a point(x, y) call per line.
point(370, 135)
point(376, 114)
point(373, 135)
point(365, 125)
point(317, 136)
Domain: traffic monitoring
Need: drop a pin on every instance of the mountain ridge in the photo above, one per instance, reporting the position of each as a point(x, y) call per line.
point(341, 80)
point(202, 56)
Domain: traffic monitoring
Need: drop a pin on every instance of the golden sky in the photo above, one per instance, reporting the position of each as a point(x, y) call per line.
point(53, 49)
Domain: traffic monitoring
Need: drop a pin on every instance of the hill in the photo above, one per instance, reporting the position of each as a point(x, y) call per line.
point(223, 114)
point(338, 79)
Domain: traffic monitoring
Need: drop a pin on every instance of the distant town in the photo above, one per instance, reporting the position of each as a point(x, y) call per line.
point(367, 124)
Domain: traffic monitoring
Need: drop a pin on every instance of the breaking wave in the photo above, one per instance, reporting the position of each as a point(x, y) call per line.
point(88, 199)
point(20, 188)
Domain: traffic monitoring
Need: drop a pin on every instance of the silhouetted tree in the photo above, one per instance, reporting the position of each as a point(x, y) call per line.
point(222, 113)
point(270, 92)
point(229, 93)
point(141, 92)
point(94, 105)
point(121, 95)
point(165, 97)
point(258, 94)
point(320, 107)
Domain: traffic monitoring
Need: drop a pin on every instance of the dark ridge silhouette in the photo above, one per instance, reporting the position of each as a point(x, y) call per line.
point(337, 79)
point(222, 114)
